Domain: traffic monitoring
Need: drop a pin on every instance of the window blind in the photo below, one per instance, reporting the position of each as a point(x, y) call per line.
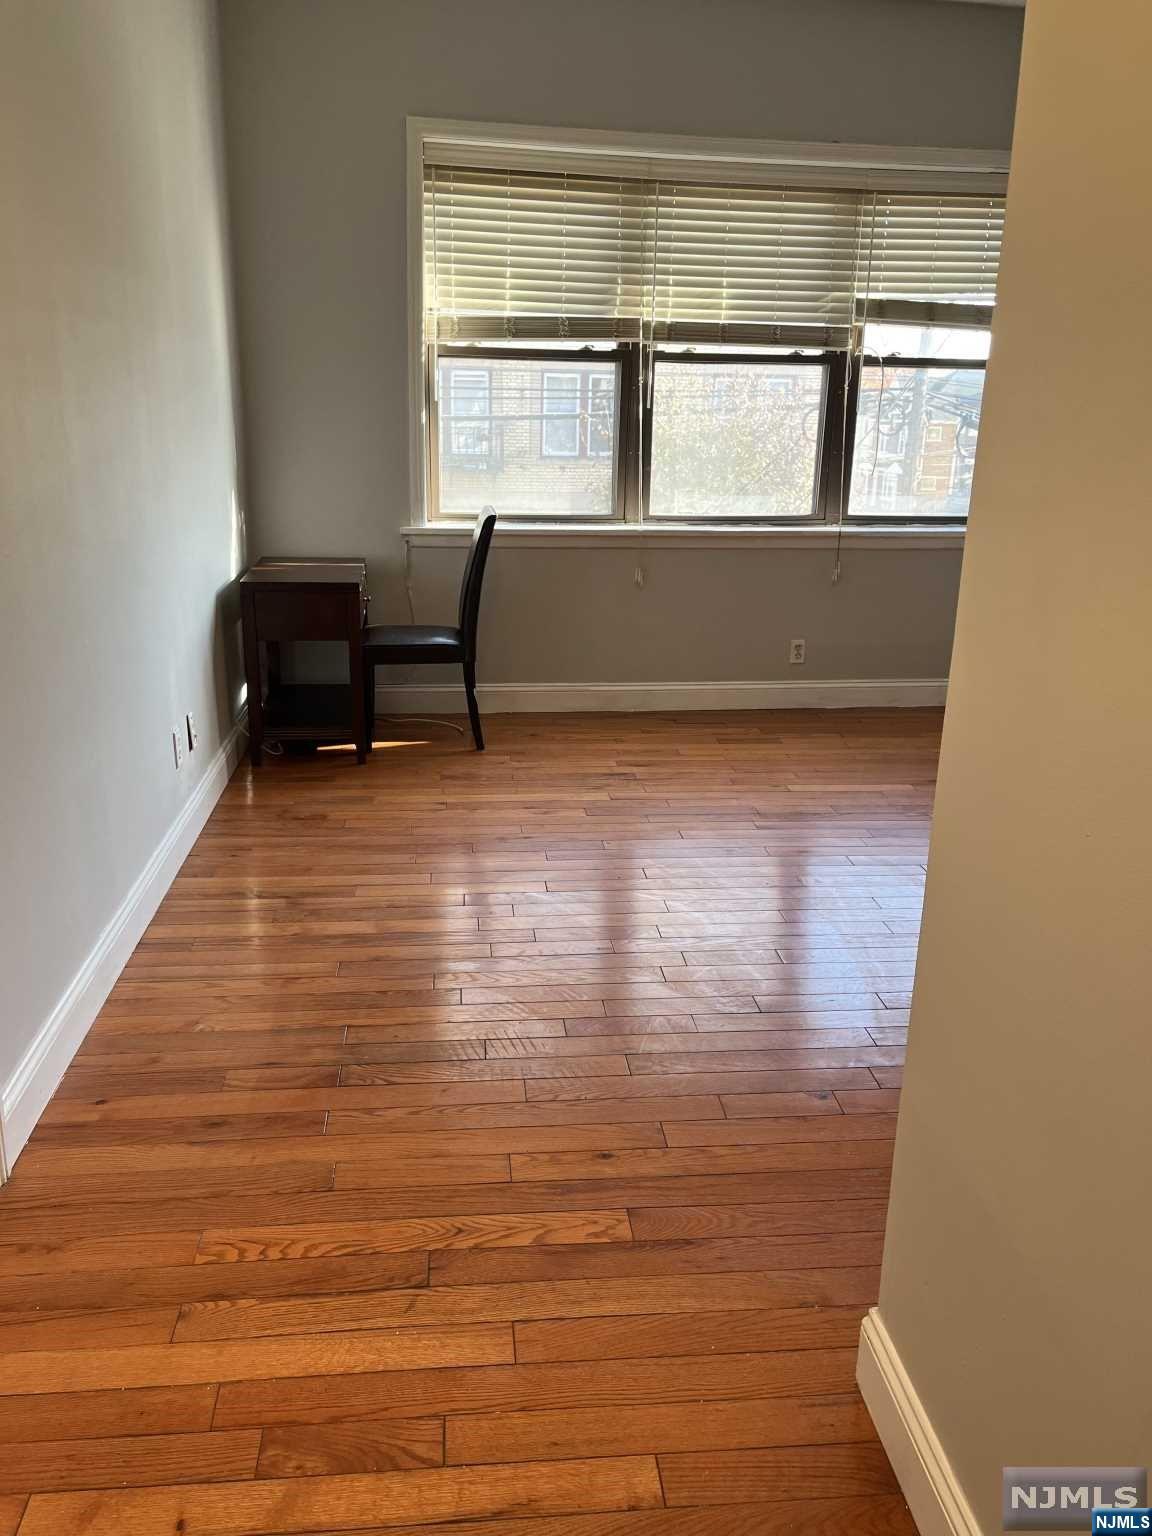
point(546, 255)
point(754, 264)
point(931, 258)
point(518, 254)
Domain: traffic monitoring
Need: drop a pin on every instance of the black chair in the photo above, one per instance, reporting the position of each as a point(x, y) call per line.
point(409, 644)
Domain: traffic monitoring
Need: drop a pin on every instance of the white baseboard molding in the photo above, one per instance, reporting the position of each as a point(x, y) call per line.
point(38, 1075)
point(935, 1497)
point(549, 698)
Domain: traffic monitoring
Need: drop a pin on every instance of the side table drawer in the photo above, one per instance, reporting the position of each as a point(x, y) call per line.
point(301, 615)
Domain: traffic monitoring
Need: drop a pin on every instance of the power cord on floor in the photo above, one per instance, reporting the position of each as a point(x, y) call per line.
point(420, 720)
point(276, 748)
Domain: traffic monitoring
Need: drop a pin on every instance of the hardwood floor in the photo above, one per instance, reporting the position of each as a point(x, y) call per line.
point(494, 1142)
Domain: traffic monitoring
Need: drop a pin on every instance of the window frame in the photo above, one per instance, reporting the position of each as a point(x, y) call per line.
point(930, 169)
point(633, 364)
point(567, 375)
point(876, 518)
point(829, 446)
point(613, 360)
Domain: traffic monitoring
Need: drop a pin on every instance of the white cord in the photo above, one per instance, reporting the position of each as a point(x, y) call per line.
point(853, 362)
point(420, 720)
point(408, 582)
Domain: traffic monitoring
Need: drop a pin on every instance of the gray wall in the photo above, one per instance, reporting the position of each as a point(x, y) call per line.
point(316, 96)
point(117, 464)
point(1018, 1262)
point(702, 615)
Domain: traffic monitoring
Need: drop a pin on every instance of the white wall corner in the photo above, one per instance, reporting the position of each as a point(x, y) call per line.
point(935, 1497)
point(551, 698)
point(36, 1078)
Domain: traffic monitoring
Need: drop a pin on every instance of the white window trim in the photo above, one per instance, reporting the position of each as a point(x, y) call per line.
point(645, 536)
point(655, 154)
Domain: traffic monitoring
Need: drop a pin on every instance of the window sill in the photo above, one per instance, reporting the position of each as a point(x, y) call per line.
point(630, 536)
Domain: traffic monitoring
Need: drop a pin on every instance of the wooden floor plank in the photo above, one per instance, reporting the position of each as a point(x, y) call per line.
point(486, 1145)
point(851, 1125)
point(480, 1438)
point(300, 1242)
point(393, 1148)
point(874, 1516)
point(807, 1250)
point(672, 1162)
point(740, 1476)
point(87, 1253)
point(384, 1445)
point(700, 1223)
point(134, 1461)
point(182, 1364)
point(461, 1313)
point(106, 1414)
point(552, 1387)
point(617, 1338)
point(347, 1503)
point(86, 1330)
point(106, 1289)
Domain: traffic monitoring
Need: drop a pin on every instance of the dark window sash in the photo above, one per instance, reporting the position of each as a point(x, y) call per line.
point(851, 412)
point(633, 364)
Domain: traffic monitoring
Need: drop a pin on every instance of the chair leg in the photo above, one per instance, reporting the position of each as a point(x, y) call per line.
point(473, 711)
point(369, 704)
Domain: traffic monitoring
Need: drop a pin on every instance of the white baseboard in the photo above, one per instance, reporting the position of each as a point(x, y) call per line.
point(38, 1075)
point(549, 698)
point(935, 1497)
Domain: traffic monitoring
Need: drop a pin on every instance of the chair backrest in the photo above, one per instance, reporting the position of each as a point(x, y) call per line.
point(474, 580)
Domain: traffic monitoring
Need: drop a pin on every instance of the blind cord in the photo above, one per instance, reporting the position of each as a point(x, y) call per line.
point(855, 353)
point(408, 582)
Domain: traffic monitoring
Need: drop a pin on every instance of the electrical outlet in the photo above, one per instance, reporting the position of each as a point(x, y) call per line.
point(192, 733)
point(796, 652)
point(178, 747)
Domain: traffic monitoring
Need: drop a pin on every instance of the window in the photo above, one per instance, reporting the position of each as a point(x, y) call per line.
point(469, 434)
point(578, 415)
point(610, 348)
point(734, 440)
point(560, 423)
point(551, 429)
point(917, 421)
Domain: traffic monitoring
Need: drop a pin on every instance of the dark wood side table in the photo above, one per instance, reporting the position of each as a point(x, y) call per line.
point(284, 600)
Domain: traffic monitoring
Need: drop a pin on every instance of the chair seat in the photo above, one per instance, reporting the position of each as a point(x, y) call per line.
point(413, 643)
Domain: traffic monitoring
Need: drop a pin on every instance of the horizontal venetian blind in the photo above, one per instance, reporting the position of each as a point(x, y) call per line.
point(523, 254)
point(931, 257)
point(755, 264)
point(550, 255)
